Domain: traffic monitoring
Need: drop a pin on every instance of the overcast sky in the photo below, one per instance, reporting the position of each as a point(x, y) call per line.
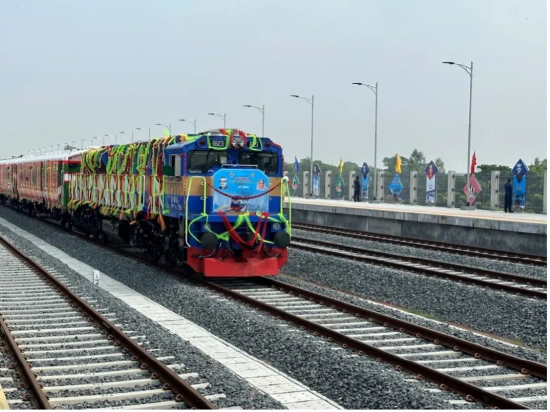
point(71, 70)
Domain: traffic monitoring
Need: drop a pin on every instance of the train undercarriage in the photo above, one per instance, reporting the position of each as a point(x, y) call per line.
point(162, 241)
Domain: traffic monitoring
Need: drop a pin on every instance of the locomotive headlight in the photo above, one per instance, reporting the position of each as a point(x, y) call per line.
point(276, 226)
point(238, 141)
point(282, 239)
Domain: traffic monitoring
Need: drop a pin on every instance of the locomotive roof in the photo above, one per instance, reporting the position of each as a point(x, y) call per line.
point(60, 156)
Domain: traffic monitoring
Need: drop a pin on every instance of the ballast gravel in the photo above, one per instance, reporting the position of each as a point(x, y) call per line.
point(399, 313)
point(502, 314)
point(155, 338)
point(353, 382)
point(474, 262)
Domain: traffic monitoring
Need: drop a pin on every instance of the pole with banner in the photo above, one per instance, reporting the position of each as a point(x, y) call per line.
point(396, 186)
point(295, 180)
point(316, 178)
point(472, 189)
point(340, 185)
point(431, 171)
point(365, 170)
point(519, 171)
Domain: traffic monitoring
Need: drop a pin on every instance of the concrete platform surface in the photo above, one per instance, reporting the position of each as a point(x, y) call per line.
point(407, 212)
point(523, 233)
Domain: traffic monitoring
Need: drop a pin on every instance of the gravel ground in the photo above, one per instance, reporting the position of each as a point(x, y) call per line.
point(513, 317)
point(157, 339)
point(354, 382)
point(482, 263)
point(522, 352)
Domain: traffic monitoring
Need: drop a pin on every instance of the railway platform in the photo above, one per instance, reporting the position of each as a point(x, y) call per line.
point(523, 233)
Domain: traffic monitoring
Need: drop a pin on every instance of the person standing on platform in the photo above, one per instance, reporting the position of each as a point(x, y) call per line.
point(356, 189)
point(508, 197)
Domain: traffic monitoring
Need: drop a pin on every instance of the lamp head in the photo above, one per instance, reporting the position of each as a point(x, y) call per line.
point(448, 62)
point(358, 83)
point(158, 124)
point(211, 114)
point(246, 105)
point(294, 95)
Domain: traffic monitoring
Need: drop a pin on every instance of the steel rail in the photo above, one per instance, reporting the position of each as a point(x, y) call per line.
point(429, 244)
point(471, 392)
point(526, 280)
point(403, 266)
point(183, 391)
point(486, 398)
point(38, 394)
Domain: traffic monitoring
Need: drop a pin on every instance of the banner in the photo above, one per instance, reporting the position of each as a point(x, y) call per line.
point(396, 187)
point(520, 182)
point(236, 190)
point(340, 185)
point(295, 184)
point(431, 171)
point(365, 170)
point(316, 177)
point(472, 190)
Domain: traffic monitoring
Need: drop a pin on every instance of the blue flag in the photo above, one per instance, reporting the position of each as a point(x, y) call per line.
point(296, 165)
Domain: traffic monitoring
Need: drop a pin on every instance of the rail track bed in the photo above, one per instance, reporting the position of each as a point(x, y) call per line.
point(520, 285)
point(67, 355)
point(502, 379)
point(478, 374)
point(494, 254)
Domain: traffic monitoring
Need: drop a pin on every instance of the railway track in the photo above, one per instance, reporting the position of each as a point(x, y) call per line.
point(520, 285)
point(69, 355)
point(425, 244)
point(494, 379)
point(476, 373)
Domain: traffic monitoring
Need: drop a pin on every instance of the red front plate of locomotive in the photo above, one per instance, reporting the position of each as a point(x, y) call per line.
point(252, 264)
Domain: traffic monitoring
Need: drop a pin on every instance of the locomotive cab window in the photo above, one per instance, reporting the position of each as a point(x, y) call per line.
point(267, 162)
point(200, 161)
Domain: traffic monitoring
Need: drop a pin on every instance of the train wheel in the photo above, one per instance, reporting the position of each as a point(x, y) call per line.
point(170, 258)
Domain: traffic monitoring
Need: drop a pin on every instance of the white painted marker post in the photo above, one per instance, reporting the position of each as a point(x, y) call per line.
point(96, 277)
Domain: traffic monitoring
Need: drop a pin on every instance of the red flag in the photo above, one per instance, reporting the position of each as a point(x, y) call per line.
point(474, 163)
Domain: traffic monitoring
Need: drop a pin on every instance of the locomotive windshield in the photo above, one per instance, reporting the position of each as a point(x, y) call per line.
point(201, 161)
point(267, 162)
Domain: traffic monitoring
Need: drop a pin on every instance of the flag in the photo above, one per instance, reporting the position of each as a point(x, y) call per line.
point(296, 165)
point(341, 166)
point(397, 163)
point(474, 163)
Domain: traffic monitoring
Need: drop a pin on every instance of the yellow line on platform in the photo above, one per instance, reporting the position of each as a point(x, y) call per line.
point(3, 401)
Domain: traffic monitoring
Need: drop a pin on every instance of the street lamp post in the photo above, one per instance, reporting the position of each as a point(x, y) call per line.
point(312, 103)
point(194, 124)
point(92, 140)
point(139, 128)
point(82, 143)
point(223, 117)
point(374, 89)
point(470, 71)
point(262, 111)
point(169, 126)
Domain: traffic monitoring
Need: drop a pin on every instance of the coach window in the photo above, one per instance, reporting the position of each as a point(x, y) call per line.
point(201, 161)
point(267, 162)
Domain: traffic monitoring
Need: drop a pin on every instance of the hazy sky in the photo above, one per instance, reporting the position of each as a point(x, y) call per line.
point(75, 69)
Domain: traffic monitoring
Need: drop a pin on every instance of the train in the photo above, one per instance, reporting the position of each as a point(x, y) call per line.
point(212, 200)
